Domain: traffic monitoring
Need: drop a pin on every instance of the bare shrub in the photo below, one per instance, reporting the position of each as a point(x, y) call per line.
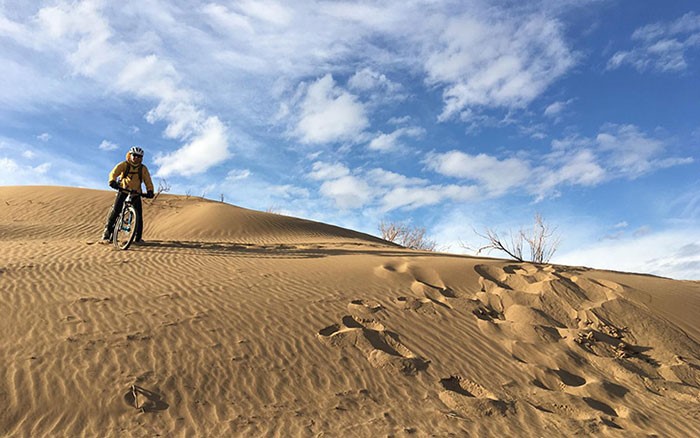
point(541, 240)
point(163, 187)
point(273, 209)
point(411, 237)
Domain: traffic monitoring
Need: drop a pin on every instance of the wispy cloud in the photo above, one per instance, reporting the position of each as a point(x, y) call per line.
point(632, 153)
point(238, 174)
point(392, 141)
point(383, 190)
point(347, 192)
point(555, 109)
point(496, 60)
point(618, 151)
point(496, 176)
point(236, 53)
point(674, 254)
point(81, 32)
point(661, 47)
point(327, 171)
point(107, 145)
point(26, 164)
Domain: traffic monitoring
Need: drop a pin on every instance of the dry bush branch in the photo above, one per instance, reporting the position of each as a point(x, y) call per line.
point(542, 242)
point(163, 187)
point(407, 236)
point(514, 248)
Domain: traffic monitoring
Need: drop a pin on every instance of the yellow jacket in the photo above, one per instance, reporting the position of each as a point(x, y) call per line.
point(129, 176)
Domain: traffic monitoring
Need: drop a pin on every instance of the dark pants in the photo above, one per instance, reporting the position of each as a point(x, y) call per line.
point(117, 208)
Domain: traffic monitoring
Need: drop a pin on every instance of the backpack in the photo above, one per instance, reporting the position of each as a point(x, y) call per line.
point(126, 172)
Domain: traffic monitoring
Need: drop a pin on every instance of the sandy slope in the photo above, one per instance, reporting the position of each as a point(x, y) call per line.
point(234, 322)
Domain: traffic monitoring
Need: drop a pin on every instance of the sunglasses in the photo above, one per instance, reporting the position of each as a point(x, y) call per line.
point(136, 156)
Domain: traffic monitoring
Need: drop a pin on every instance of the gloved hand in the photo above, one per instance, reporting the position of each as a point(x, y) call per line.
point(149, 194)
point(114, 185)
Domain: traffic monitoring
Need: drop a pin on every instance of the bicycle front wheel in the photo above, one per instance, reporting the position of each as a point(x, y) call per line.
point(125, 228)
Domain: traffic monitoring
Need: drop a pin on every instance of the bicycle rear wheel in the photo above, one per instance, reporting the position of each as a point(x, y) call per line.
point(125, 228)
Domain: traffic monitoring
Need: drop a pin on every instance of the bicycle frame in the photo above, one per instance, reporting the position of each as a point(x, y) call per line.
point(125, 226)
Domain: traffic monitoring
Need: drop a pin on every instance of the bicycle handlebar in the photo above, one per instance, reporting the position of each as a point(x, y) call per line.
point(131, 192)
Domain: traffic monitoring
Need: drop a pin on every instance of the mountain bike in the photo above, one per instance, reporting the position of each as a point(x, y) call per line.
point(125, 226)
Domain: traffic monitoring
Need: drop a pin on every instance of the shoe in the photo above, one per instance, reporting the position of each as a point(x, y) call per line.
point(105, 241)
point(139, 242)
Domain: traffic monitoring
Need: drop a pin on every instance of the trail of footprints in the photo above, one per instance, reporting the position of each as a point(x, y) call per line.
point(382, 348)
point(513, 302)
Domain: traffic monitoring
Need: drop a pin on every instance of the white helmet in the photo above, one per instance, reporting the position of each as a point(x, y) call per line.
point(135, 150)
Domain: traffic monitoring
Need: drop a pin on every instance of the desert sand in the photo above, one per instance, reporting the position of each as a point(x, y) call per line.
point(232, 322)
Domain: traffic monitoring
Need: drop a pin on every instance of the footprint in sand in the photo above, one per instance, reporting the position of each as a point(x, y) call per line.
point(144, 400)
point(557, 380)
point(391, 269)
point(423, 306)
point(430, 298)
point(525, 277)
point(365, 311)
point(470, 399)
point(436, 294)
point(382, 348)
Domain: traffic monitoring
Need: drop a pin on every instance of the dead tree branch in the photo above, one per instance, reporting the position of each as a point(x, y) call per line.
point(541, 240)
point(407, 236)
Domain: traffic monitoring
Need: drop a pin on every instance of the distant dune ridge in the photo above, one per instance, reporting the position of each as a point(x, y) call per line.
point(232, 322)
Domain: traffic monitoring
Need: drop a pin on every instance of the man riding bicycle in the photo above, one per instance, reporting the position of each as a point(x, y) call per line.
point(128, 175)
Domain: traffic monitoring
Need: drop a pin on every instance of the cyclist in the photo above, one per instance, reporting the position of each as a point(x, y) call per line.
point(128, 175)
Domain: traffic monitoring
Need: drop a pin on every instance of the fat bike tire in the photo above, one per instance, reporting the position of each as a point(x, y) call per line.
point(125, 229)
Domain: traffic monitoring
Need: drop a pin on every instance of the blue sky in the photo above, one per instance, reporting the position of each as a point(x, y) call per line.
point(451, 115)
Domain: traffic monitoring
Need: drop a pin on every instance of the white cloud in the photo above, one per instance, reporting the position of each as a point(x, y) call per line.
point(497, 61)
point(367, 80)
point(228, 20)
point(246, 56)
point(412, 197)
point(44, 137)
point(325, 171)
point(632, 153)
point(618, 151)
point(288, 191)
point(330, 114)
point(107, 145)
point(399, 120)
point(497, 176)
point(208, 148)
point(573, 168)
point(555, 109)
point(28, 154)
point(16, 173)
point(377, 87)
point(385, 178)
point(661, 47)
point(674, 254)
point(42, 168)
point(390, 142)
point(383, 190)
point(348, 192)
point(237, 175)
point(83, 34)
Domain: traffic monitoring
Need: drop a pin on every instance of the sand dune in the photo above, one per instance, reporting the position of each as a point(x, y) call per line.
point(232, 322)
